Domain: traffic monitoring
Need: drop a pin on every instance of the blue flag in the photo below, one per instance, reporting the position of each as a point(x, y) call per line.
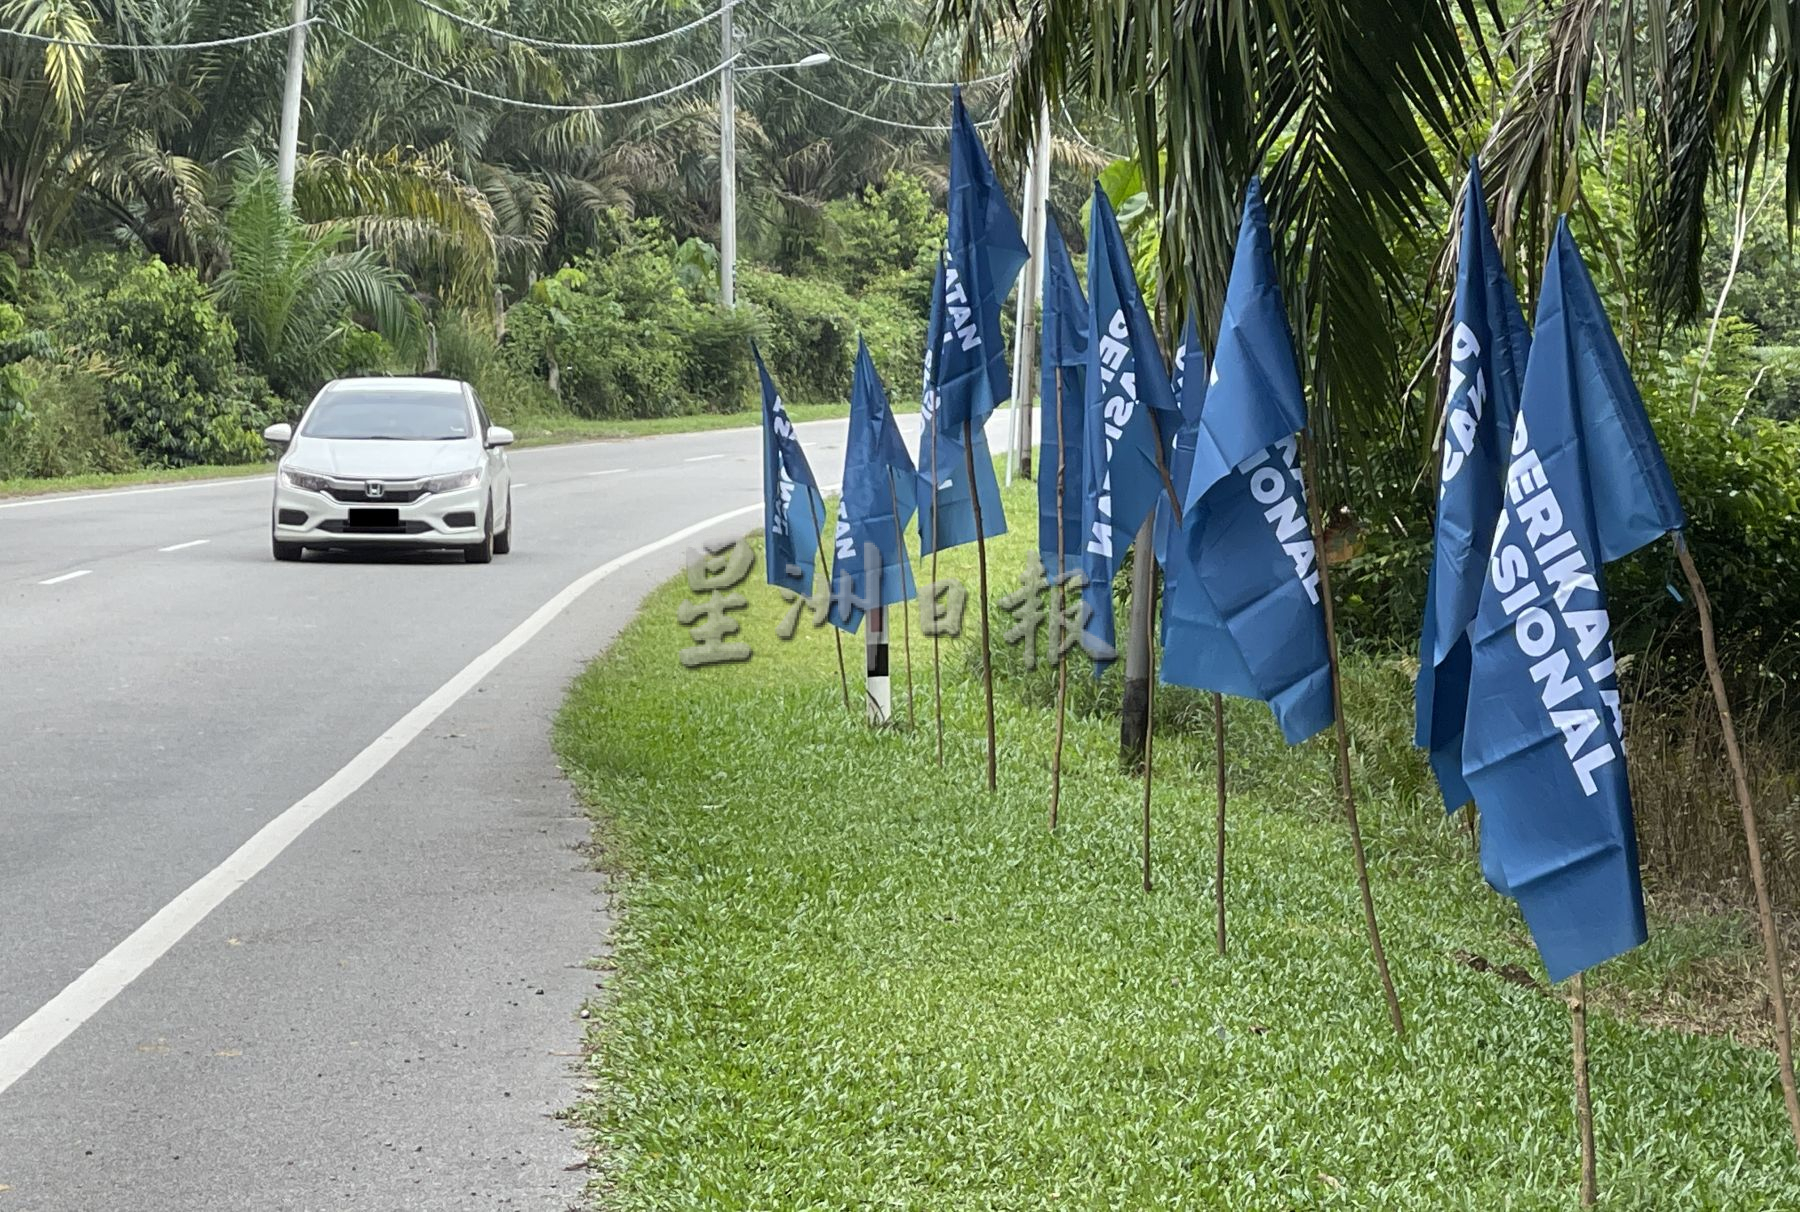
point(1544, 752)
point(793, 510)
point(1064, 395)
point(1488, 349)
point(1244, 615)
point(870, 565)
point(946, 508)
point(1131, 417)
point(1255, 351)
point(985, 254)
point(1189, 382)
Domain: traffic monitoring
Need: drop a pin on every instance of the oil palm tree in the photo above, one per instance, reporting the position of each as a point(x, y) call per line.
point(295, 290)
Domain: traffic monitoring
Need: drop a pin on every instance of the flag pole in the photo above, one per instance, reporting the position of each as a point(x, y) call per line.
point(937, 664)
point(1162, 466)
point(912, 710)
point(1062, 607)
point(987, 655)
point(1219, 859)
point(1584, 1105)
point(1784, 1039)
point(1343, 736)
point(831, 596)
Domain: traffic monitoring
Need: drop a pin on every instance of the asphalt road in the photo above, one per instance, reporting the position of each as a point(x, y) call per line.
point(295, 910)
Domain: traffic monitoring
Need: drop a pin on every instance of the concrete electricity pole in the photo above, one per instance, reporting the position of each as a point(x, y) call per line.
point(289, 149)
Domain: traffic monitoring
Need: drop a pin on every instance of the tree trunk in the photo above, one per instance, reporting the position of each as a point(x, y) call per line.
point(1134, 713)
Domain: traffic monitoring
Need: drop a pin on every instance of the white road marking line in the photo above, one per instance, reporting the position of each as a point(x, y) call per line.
point(52, 1023)
point(67, 576)
point(29, 502)
point(703, 458)
point(521, 486)
point(610, 471)
point(186, 545)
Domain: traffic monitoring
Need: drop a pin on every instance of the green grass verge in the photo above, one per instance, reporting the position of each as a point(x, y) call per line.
point(845, 978)
point(531, 431)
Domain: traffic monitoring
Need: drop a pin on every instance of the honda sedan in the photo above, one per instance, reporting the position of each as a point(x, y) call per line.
point(393, 463)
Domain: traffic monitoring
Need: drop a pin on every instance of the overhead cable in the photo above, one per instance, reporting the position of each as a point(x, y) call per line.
point(548, 44)
point(546, 107)
point(213, 44)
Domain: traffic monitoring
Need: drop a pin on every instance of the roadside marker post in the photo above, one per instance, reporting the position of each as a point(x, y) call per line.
point(879, 694)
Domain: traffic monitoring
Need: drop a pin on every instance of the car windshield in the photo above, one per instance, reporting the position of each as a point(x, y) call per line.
point(394, 416)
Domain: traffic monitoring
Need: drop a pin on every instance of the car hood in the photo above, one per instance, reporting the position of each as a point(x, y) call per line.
point(355, 460)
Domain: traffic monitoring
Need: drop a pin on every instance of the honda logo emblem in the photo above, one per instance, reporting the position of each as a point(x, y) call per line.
point(374, 490)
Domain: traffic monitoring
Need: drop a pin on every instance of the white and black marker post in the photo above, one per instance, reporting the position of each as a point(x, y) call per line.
point(879, 690)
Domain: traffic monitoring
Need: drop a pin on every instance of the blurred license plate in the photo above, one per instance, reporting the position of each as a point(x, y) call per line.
point(375, 519)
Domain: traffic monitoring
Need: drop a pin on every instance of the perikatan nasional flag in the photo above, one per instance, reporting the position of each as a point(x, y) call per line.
point(870, 566)
point(946, 508)
point(985, 254)
point(793, 510)
point(1131, 417)
point(1245, 617)
point(1544, 744)
point(1064, 397)
point(1488, 349)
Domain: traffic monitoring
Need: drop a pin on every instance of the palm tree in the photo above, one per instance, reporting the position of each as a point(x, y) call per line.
point(294, 289)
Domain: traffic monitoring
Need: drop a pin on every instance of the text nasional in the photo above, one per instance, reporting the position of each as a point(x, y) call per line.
point(1569, 585)
point(1116, 413)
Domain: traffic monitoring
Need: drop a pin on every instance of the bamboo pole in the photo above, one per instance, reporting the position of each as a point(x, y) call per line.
point(1062, 607)
point(937, 663)
point(1219, 859)
point(912, 710)
point(1784, 1039)
point(1149, 719)
point(1584, 1105)
point(987, 654)
point(1343, 736)
point(831, 597)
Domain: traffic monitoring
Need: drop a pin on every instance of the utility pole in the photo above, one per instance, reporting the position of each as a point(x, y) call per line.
point(1036, 203)
point(727, 160)
point(289, 148)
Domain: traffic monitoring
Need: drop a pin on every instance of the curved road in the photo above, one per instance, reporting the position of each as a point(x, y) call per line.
point(295, 907)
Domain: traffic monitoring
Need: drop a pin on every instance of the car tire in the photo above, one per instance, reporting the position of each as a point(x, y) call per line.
point(483, 552)
point(285, 552)
point(503, 540)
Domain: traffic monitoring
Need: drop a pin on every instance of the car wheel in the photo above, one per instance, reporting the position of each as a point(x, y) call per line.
point(503, 540)
point(483, 552)
point(285, 551)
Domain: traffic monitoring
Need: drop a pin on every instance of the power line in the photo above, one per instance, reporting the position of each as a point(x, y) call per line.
point(854, 66)
point(867, 117)
point(397, 61)
point(239, 40)
point(547, 44)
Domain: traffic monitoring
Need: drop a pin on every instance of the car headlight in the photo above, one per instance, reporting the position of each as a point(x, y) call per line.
point(308, 481)
point(450, 483)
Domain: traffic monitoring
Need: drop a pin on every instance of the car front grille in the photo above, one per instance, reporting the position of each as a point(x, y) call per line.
point(392, 494)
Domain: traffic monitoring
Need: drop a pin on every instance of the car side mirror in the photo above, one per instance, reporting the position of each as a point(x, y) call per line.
point(279, 435)
point(499, 435)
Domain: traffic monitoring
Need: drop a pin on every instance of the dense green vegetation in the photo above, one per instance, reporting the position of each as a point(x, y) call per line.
point(847, 978)
point(158, 301)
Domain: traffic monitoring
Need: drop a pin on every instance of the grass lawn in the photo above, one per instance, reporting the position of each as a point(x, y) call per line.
point(531, 431)
point(845, 978)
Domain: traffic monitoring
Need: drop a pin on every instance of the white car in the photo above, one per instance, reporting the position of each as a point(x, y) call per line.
point(396, 463)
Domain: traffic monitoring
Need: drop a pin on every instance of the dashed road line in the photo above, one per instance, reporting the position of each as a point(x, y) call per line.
point(703, 458)
point(67, 576)
point(186, 545)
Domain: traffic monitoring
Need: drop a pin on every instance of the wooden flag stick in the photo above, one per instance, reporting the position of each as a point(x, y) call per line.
point(1316, 516)
point(1062, 607)
point(1149, 723)
point(1584, 1105)
point(831, 596)
point(912, 710)
point(987, 652)
point(1784, 1040)
point(1219, 859)
point(937, 664)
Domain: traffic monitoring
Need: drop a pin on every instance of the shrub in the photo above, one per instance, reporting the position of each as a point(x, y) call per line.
point(167, 360)
point(62, 431)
